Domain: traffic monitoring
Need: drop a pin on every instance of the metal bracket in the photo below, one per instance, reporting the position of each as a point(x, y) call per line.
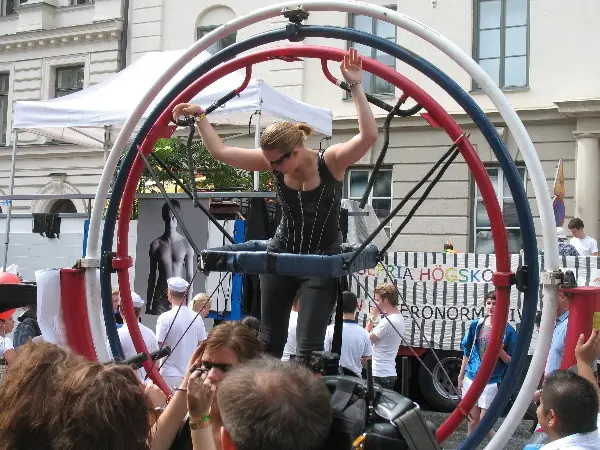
point(89, 263)
point(554, 278)
point(295, 15)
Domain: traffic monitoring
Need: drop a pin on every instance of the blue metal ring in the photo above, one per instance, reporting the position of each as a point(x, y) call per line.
point(471, 108)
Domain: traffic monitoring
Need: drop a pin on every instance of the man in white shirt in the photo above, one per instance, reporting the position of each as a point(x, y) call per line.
point(356, 345)
point(147, 334)
point(181, 329)
point(386, 336)
point(585, 245)
point(290, 345)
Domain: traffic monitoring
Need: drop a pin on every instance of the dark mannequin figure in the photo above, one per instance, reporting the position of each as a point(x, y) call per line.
point(172, 256)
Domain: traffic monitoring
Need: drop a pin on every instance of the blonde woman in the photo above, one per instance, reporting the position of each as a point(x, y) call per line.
point(201, 303)
point(309, 189)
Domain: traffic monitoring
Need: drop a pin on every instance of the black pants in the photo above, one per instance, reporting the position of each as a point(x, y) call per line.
point(317, 298)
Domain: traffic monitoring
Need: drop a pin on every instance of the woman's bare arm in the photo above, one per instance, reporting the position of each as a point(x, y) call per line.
point(340, 156)
point(242, 158)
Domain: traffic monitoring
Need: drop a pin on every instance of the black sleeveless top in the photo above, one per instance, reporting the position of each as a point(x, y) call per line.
point(310, 219)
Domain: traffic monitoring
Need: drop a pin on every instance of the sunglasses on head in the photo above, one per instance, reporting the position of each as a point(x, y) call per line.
point(282, 159)
point(207, 366)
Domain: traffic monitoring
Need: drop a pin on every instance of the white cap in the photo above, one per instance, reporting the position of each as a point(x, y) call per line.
point(177, 284)
point(560, 231)
point(138, 301)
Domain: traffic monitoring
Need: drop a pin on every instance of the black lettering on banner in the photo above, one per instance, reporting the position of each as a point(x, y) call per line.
point(415, 311)
point(519, 313)
point(454, 309)
point(464, 313)
point(440, 313)
point(404, 310)
point(512, 314)
point(427, 312)
point(478, 312)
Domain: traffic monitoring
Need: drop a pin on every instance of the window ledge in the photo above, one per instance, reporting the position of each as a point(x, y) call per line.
point(506, 89)
point(381, 96)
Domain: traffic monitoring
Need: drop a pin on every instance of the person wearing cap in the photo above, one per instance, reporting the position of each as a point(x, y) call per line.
point(148, 335)
point(181, 329)
point(564, 248)
point(7, 349)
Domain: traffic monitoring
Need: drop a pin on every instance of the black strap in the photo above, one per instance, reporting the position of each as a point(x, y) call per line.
point(336, 343)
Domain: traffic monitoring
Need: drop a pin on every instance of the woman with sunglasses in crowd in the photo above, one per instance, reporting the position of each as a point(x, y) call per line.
point(192, 414)
point(309, 189)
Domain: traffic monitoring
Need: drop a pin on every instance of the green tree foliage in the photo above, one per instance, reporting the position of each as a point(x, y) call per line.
point(212, 173)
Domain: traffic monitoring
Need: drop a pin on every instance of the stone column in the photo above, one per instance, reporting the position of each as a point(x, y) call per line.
point(587, 188)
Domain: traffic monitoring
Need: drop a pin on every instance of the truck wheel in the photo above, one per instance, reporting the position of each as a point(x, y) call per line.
point(438, 391)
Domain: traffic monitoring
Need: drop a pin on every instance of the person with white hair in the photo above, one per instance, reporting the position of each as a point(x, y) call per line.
point(181, 329)
point(147, 334)
point(564, 248)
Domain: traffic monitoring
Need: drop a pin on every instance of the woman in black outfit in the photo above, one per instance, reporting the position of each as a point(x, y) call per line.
point(309, 188)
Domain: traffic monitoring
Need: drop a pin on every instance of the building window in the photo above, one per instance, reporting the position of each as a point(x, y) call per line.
point(381, 193)
point(7, 7)
point(81, 2)
point(217, 46)
point(483, 237)
point(68, 80)
point(502, 41)
point(4, 78)
point(372, 84)
point(64, 206)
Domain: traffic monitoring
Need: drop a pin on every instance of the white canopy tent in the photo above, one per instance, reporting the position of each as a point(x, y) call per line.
point(80, 117)
point(83, 117)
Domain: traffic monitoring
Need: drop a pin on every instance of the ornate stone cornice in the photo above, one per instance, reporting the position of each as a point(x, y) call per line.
point(587, 134)
point(577, 109)
point(98, 31)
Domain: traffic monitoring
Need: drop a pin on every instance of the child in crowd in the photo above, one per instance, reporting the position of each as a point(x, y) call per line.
point(474, 345)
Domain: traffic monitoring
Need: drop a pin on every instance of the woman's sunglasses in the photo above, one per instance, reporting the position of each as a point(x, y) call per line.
point(207, 366)
point(282, 159)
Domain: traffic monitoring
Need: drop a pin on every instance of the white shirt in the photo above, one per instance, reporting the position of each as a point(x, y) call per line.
point(129, 350)
point(355, 345)
point(386, 348)
point(290, 345)
point(6, 343)
point(580, 441)
point(586, 246)
point(177, 362)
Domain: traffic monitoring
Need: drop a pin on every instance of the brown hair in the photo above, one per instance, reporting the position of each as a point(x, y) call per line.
point(284, 136)
point(54, 399)
point(267, 403)
point(235, 336)
point(388, 292)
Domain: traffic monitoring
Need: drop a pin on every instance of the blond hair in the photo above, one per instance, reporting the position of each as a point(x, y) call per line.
point(387, 291)
point(201, 301)
point(284, 136)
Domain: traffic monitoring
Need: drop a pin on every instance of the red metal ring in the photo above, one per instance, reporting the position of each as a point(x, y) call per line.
point(436, 112)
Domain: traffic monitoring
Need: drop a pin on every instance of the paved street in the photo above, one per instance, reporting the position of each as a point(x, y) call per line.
point(517, 442)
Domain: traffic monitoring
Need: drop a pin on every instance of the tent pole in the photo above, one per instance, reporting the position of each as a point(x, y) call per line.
point(257, 145)
point(10, 202)
point(106, 141)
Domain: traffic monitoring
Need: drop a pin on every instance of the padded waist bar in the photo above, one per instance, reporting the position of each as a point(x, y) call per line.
point(253, 257)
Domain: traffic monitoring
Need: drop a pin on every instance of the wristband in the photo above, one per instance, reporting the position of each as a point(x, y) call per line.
point(204, 418)
point(351, 85)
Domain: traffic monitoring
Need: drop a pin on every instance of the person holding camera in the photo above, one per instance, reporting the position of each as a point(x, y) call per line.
point(386, 336)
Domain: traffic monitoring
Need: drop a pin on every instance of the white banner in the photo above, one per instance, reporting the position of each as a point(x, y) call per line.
point(442, 292)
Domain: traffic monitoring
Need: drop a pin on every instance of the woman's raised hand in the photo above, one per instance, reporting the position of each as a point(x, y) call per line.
point(351, 66)
point(200, 393)
point(185, 109)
